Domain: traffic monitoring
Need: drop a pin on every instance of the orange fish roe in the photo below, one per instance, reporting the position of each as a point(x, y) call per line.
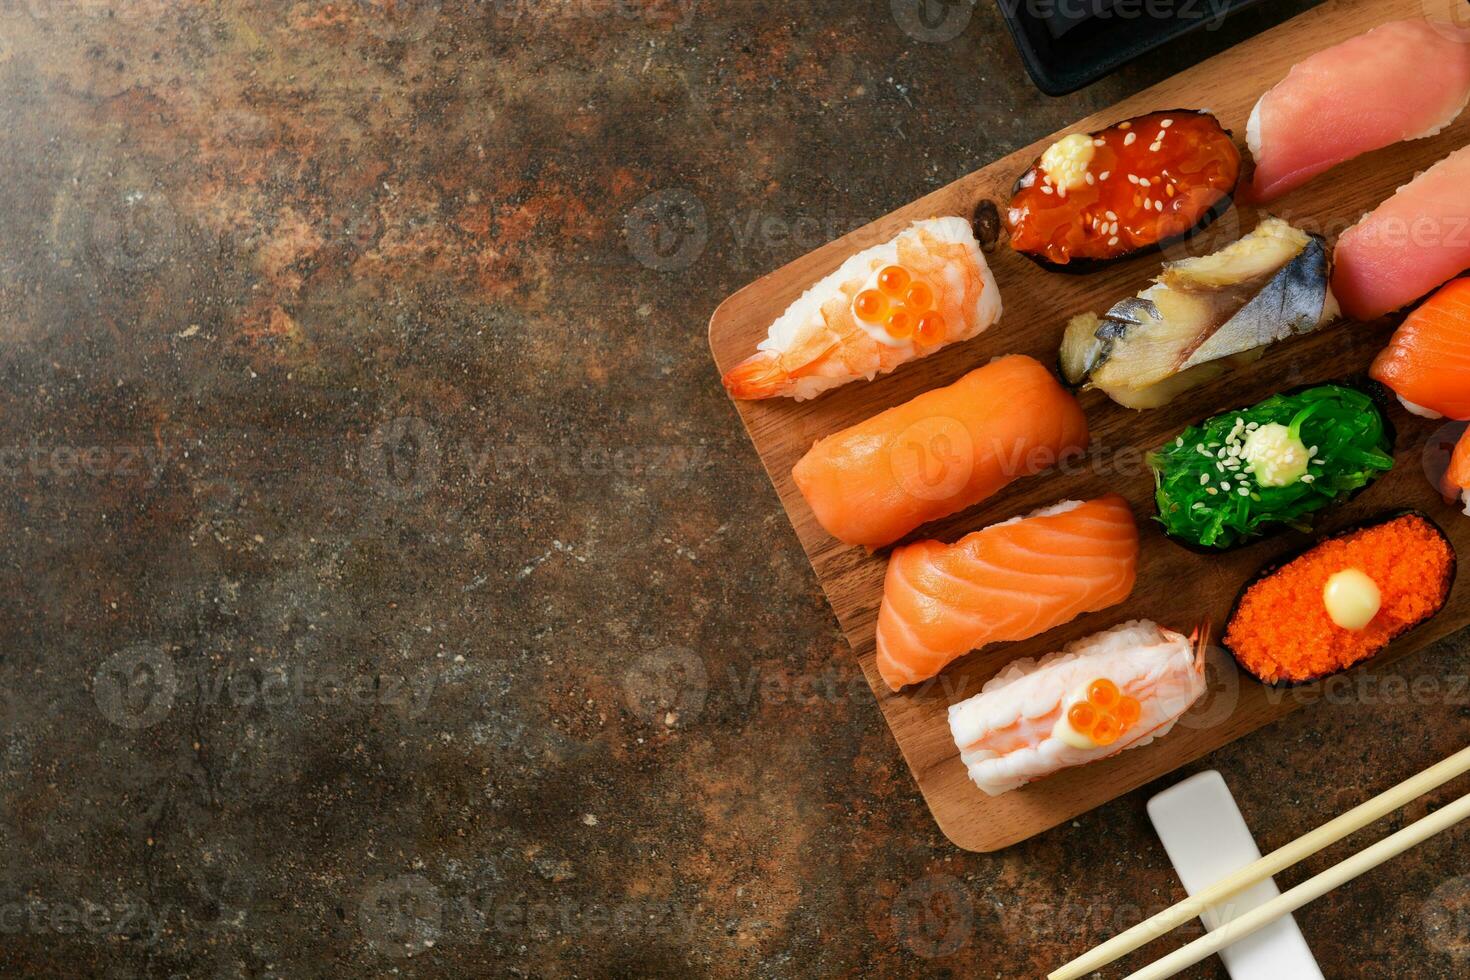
point(903, 305)
point(1281, 630)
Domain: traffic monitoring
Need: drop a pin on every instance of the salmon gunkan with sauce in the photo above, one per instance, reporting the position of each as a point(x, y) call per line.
point(1124, 191)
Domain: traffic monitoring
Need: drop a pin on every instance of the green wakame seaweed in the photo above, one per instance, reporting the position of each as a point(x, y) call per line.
point(1353, 447)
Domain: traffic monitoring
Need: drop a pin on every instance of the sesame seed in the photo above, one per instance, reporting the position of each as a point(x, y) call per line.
point(1308, 478)
point(1143, 182)
point(1125, 125)
point(1167, 123)
point(1212, 491)
point(1098, 142)
point(1204, 479)
point(1170, 190)
point(1155, 146)
point(1090, 179)
point(1132, 179)
point(1046, 190)
point(1113, 240)
point(1111, 216)
point(1179, 442)
point(1104, 175)
point(1244, 492)
point(1130, 139)
point(1226, 486)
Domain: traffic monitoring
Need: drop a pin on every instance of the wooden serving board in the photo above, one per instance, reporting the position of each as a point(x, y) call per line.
point(1175, 587)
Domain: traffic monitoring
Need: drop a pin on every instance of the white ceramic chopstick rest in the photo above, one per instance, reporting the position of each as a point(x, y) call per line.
point(1206, 839)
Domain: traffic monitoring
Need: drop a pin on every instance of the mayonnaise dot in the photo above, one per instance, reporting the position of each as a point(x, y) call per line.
point(1066, 732)
point(1276, 457)
point(1066, 160)
point(1352, 598)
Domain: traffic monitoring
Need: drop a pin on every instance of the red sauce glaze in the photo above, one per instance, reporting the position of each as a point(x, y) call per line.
point(1191, 166)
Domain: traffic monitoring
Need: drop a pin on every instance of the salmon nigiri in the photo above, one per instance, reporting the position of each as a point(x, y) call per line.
point(1409, 245)
point(1097, 697)
point(1404, 80)
point(1427, 363)
point(1457, 478)
point(1011, 581)
point(886, 306)
point(941, 452)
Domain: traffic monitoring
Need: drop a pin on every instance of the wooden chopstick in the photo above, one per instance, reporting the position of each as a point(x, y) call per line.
point(1313, 888)
point(1278, 860)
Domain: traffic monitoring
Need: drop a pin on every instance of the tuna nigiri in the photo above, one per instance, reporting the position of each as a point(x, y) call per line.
point(1010, 581)
point(1414, 242)
point(1404, 80)
point(1457, 477)
point(1427, 363)
point(1097, 697)
point(886, 306)
point(942, 452)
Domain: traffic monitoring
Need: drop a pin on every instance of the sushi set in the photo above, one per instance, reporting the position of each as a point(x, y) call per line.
point(1100, 449)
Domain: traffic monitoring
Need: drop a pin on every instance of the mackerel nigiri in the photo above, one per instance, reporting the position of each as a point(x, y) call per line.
point(1011, 581)
point(1097, 697)
point(1404, 80)
point(1413, 242)
point(1457, 478)
point(1427, 363)
point(896, 302)
point(939, 453)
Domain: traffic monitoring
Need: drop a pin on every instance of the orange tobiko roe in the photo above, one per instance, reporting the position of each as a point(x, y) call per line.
point(1281, 630)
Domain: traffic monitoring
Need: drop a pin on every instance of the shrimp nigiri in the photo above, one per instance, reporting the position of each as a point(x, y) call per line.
point(885, 306)
point(1102, 695)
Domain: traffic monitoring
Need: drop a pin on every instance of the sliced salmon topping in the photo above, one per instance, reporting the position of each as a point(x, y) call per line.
point(1428, 361)
point(1457, 479)
point(1008, 582)
point(941, 452)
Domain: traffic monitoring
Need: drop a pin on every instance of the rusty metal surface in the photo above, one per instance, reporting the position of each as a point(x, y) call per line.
point(387, 586)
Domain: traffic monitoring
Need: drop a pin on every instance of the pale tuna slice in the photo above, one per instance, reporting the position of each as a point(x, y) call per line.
point(1405, 80)
point(1415, 241)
